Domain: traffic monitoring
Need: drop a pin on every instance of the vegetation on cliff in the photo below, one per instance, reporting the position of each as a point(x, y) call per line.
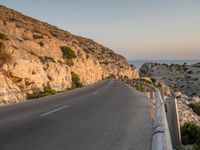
point(76, 80)
point(46, 59)
point(2, 36)
point(195, 107)
point(67, 52)
point(47, 91)
point(191, 135)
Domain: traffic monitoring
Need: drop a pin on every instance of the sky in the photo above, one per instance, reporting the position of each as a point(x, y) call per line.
point(137, 29)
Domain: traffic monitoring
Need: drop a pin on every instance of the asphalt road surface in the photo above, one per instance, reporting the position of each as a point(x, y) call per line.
point(108, 115)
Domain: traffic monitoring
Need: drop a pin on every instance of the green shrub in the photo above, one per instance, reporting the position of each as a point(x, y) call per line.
point(32, 96)
point(184, 64)
point(166, 65)
point(196, 145)
point(178, 67)
point(190, 133)
point(158, 85)
point(47, 90)
point(146, 81)
point(75, 80)
point(46, 59)
point(67, 52)
point(180, 148)
point(195, 107)
point(2, 36)
point(140, 88)
point(172, 65)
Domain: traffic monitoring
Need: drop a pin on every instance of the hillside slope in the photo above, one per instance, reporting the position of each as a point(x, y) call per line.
point(34, 54)
point(184, 78)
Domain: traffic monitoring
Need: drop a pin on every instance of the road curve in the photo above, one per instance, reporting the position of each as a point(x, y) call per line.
point(108, 115)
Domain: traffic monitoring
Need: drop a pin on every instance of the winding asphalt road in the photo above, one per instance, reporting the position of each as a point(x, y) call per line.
point(108, 115)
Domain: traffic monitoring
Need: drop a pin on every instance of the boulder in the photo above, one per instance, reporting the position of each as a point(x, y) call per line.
point(177, 94)
point(9, 92)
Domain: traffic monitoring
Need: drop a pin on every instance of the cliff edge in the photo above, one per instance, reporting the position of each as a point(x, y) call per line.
point(184, 78)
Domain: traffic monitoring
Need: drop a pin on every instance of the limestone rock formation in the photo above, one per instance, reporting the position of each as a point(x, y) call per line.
point(9, 92)
point(170, 75)
point(34, 54)
point(184, 78)
point(186, 114)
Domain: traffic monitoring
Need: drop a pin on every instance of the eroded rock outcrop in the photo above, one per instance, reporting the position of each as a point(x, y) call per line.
point(9, 92)
point(43, 54)
point(186, 114)
point(174, 81)
point(184, 78)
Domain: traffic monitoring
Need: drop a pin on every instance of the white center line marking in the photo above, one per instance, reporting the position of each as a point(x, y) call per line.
point(95, 93)
point(54, 110)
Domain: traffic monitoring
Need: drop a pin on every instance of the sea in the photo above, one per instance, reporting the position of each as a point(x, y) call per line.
point(139, 63)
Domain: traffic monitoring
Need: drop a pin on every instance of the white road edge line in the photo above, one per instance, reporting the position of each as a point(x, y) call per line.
point(95, 93)
point(54, 110)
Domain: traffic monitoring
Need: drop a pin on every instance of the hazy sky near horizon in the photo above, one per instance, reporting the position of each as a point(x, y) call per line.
point(137, 29)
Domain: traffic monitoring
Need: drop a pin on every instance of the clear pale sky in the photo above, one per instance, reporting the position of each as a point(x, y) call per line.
point(137, 29)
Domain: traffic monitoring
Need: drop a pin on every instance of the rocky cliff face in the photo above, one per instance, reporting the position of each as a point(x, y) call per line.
point(184, 78)
point(34, 54)
point(186, 114)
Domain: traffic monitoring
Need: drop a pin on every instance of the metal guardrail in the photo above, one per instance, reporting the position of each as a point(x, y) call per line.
point(161, 139)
